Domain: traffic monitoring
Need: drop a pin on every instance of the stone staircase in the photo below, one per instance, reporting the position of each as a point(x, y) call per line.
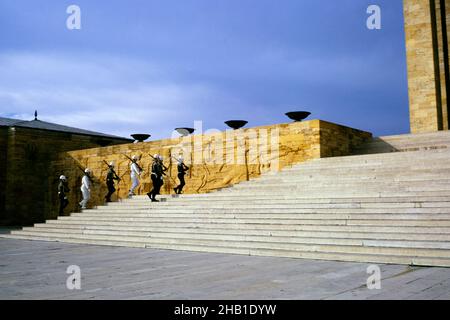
point(391, 207)
point(406, 142)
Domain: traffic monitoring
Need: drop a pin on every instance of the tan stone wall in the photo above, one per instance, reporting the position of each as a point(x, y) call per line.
point(447, 78)
point(421, 72)
point(447, 13)
point(256, 150)
point(442, 64)
point(337, 140)
point(426, 65)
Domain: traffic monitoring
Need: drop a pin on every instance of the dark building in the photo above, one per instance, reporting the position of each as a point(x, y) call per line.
point(26, 151)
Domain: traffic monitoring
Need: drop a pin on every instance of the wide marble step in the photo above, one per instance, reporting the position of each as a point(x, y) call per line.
point(173, 231)
point(377, 253)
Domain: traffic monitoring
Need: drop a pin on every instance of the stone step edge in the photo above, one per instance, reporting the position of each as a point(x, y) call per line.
point(286, 221)
point(284, 216)
point(246, 226)
point(440, 262)
point(424, 252)
point(350, 257)
point(407, 243)
point(259, 221)
point(258, 232)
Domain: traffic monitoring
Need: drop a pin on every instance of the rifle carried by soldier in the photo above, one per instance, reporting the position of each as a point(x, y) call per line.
point(164, 168)
point(111, 167)
point(162, 164)
point(88, 175)
point(135, 161)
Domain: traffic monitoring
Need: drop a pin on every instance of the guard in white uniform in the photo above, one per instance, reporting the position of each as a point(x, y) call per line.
point(86, 188)
point(135, 173)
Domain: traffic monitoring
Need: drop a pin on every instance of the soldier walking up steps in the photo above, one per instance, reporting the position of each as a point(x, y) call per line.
point(63, 188)
point(163, 170)
point(110, 177)
point(182, 168)
point(136, 171)
point(86, 188)
point(156, 176)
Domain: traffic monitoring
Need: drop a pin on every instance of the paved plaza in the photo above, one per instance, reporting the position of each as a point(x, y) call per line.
point(37, 270)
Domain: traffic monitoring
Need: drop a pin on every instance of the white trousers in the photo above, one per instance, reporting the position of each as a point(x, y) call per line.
point(134, 183)
point(86, 196)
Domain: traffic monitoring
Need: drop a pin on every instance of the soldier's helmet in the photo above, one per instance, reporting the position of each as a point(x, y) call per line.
point(134, 158)
point(160, 158)
point(156, 156)
point(111, 164)
point(180, 159)
point(62, 177)
point(87, 170)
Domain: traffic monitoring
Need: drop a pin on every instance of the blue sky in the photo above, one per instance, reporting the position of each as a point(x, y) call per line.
point(148, 66)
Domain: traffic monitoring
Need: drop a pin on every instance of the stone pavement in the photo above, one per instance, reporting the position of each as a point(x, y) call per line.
point(37, 270)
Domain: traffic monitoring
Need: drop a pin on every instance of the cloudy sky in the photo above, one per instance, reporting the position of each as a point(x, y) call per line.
point(148, 66)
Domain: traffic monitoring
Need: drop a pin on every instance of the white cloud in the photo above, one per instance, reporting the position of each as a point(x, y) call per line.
point(108, 94)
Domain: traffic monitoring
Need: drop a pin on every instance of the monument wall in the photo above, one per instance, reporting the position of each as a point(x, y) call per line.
point(216, 160)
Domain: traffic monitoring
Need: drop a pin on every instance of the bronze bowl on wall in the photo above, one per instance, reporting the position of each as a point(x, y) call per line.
point(185, 131)
point(298, 115)
point(236, 124)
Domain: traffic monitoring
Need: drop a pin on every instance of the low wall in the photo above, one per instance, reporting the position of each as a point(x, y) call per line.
point(216, 160)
